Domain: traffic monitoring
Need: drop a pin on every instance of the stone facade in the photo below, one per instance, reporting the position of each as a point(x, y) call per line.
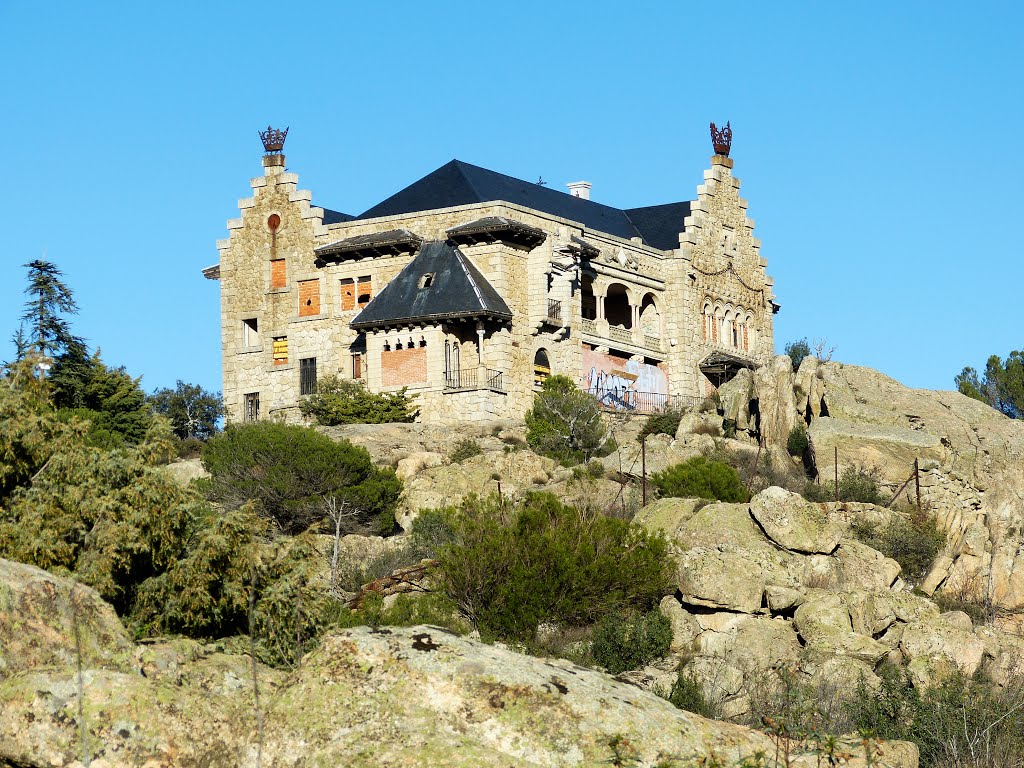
point(654, 318)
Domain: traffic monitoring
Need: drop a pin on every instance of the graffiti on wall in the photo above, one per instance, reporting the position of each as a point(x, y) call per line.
point(618, 382)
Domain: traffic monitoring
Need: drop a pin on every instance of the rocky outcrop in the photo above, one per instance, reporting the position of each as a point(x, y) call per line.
point(972, 474)
point(779, 582)
point(776, 404)
point(416, 696)
point(890, 450)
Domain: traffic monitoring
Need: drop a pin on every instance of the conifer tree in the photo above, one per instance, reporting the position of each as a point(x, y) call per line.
point(49, 299)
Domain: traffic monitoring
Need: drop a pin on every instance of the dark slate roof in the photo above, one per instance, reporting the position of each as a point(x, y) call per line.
point(491, 228)
point(336, 217)
point(457, 289)
point(376, 244)
point(719, 360)
point(660, 225)
point(459, 183)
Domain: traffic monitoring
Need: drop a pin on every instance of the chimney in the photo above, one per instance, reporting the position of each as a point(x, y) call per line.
point(580, 189)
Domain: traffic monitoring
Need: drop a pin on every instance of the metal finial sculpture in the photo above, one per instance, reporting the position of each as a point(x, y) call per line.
point(721, 139)
point(273, 140)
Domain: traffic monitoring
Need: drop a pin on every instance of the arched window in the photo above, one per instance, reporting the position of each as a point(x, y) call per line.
point(650, 317)
point(588, 302)
point(541, 366)
point(617, 309)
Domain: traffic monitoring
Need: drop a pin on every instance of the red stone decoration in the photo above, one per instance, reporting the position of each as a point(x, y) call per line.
point(721, 139)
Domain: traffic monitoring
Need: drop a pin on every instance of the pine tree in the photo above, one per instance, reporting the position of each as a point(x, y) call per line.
point(49, 298)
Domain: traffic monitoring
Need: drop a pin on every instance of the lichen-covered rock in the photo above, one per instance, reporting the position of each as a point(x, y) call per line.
point(667, 515)
point(773, 388)
point(416, 462)
point(40, 616)
point(793, 523)
point(862, 567)
point(825, 627)
point(735, 396)
point(889, 449)
point(938, 645)
point(410, 697)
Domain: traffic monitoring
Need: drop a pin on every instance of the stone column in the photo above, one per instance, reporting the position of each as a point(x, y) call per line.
point(600, 321)
point(481, 369)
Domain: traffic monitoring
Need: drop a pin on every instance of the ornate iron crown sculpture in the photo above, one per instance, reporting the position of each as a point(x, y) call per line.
point(721, 139)
point(273, 140)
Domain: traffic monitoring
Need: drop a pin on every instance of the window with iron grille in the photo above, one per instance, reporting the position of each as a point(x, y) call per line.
point(307, 376)
point(251, 408)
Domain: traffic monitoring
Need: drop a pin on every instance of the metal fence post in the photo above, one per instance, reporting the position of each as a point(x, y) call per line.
point(837, 472)
point(643, 469)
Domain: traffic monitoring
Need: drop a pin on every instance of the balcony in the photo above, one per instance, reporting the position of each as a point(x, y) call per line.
point(554, 314)
point(470, 379)
point(614, 335)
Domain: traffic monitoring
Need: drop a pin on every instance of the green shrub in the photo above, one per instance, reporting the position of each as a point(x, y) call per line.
point(464, 449)
point(912, 542)
point(344, 401)
point(565, 423)
point(511, 568)
point(797, 443)
point(688, 694)
point(797, 351)
point(855, 484)
point(632, 641)
point(664, 423)
point(702, 478)
point(290, 472)
point(958, 721)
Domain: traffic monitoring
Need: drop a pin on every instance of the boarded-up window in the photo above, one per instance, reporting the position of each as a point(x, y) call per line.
point(357, 366)
point(309, 297)
point(278, 274)
point(364, 291)
point(348, 294)
point(402, 367)
point(281, 350)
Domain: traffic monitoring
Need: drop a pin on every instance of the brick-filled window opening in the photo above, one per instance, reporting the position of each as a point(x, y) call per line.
point(357, 366)
point(364, 291)
point(309, 297)
point(348, 294)
point(251, 332)
point(278, 274)
point(281, 350)
point(251, 407)
point(307, 376)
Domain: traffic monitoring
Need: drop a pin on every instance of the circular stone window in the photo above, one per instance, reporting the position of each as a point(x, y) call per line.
point(273, 222)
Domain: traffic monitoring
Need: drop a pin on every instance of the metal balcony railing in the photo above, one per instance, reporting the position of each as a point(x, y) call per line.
point(554, 315)
point(468, 379)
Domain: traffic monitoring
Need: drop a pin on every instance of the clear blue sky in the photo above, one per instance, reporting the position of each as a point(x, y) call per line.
point(879, 146)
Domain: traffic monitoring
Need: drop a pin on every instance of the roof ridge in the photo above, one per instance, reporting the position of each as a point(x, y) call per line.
point(465, 176)
point(462, 259)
